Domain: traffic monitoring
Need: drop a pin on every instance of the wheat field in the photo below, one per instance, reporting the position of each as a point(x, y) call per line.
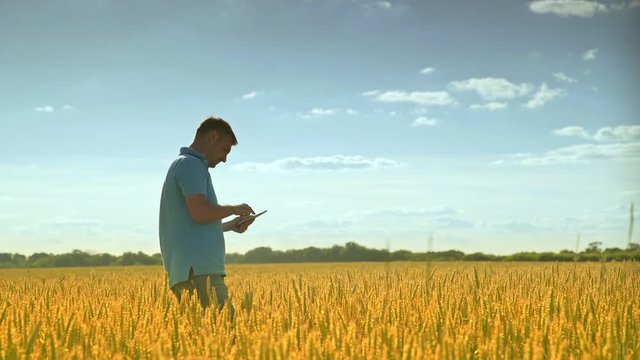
point(329, 311)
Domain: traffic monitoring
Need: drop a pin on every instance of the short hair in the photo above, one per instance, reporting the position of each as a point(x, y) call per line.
point(216, 124)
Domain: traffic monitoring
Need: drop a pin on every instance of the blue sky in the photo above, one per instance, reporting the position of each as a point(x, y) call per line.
point(499, 126)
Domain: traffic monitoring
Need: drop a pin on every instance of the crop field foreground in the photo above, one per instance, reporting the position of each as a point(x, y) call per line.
point(329, 311)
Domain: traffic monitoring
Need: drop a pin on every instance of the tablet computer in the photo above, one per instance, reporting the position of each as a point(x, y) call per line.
point(251, 217)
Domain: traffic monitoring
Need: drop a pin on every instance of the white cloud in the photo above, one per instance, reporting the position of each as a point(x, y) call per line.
point(46, 108)
point(621, 133)
point(565, 8)
point(327, 163)
point(618, 133)
point(492, 106)
point(318, 112)
point(544, 95)
point(427, 70)
point(371, 93)
point(424, 121)
point(384, 5)
point(585, 153)
point(621, 6)
point(590, 54)
point(422, 98)
point(352, 112)
point(492, 88)
point(67, 107)
point(564, 78)
point(572, 131)
point(251, 95)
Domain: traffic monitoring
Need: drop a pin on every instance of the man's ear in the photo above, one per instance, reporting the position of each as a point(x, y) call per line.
point(213, 136)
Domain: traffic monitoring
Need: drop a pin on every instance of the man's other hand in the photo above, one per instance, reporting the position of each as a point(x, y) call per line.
point(240, 226)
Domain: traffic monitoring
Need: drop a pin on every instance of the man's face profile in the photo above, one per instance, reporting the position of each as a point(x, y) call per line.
point(219, 147)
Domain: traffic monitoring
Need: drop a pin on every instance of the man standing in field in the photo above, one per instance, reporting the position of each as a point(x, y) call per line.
point(191, 227)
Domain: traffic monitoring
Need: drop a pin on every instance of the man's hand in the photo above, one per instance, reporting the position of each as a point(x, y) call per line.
point(243, 210)
point(240, 226)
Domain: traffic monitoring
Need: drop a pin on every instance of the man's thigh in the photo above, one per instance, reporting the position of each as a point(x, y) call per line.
point(182, 287)
point(209, 286)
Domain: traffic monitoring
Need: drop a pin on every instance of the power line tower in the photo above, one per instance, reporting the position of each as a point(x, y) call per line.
point(630, 237)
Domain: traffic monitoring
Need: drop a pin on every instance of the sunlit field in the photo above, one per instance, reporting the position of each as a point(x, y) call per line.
point(330, 311)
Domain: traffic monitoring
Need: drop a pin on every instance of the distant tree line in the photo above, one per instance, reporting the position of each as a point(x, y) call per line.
point(349, 252)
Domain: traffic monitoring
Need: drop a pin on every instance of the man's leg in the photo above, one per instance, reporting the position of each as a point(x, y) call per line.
point(212, 285)
point(179, 288)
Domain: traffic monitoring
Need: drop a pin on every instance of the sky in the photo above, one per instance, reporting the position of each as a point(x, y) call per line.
point(496, 126)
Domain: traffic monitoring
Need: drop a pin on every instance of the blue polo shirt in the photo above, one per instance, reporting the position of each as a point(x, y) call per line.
point(185, 244)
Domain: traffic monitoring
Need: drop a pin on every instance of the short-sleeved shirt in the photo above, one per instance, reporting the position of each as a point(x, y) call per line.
point(185, 244)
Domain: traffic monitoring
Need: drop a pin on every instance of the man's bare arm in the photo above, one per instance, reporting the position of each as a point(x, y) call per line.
point(201, 211)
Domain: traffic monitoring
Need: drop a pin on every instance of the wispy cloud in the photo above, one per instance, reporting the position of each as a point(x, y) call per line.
point(512, 226)
point(63, 224)
point(50, 109)
point(584, 153)
point(492, 88)
point(252, 95)
point(572, 131)
point(352, 112)
point(590, 54)
point(45, 109)
point(624, 144)
point(384, 5)
point(318, 112)
point(427, 70)
point(424, 121)
point(371, 93)
point(422, 98)
point(564, 78)
point(440, 217)
point(566, 8)
point(321, 163)
point(629, 193)
point(431, 211)
point(618, 133)
point(492, 106)
point(543, 96)
point(621, 133)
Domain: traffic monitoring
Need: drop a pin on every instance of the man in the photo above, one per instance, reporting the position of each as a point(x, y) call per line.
point(191, 227)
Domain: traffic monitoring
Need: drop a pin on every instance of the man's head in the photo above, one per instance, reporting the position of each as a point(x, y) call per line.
point(214, 138)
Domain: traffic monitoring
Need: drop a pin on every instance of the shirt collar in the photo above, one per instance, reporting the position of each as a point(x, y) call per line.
point(193, 152)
